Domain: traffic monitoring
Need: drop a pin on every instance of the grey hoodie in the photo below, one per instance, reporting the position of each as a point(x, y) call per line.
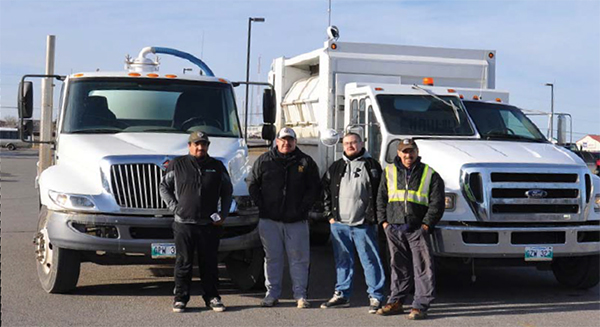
point(354, 191)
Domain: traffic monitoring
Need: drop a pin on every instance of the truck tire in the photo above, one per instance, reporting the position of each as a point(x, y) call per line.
point(58, 269)
point(11, 147)
point(577, 272)
point(246, 268)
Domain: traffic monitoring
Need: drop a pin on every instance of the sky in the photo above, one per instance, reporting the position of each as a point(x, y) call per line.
point(536, 41)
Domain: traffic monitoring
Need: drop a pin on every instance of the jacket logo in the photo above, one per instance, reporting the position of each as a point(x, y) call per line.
point(357, 173)
point(300, 169)
point(536, 194)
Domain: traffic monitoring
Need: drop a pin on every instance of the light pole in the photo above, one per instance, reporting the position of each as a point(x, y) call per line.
point(250, 20)
point(551, 110)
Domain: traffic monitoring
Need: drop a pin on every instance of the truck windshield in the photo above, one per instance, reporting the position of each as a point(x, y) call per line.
point(424, 115)
point(114, 105)
point(496, 121)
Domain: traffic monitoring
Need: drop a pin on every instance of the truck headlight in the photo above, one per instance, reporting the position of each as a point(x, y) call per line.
point(597, 203)
point(450, 201)
point(242, 203)
point(71, 201)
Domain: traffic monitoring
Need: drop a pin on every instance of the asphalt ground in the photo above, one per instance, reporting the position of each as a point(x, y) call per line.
point(142, 295)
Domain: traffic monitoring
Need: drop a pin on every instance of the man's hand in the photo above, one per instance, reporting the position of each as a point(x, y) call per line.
point(384, 225)
point(331, 220)
point(425, 228)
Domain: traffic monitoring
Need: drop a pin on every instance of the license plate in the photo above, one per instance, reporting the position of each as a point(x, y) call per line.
point(538, 253)
point(163, 250)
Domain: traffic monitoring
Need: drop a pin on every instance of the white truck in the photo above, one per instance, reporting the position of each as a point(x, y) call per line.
point(512, 197)
point(116, 133)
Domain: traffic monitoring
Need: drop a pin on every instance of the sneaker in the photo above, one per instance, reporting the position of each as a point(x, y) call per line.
point(416, 314)
point(216, 305)
point(178, 306)
point(390, 309)
point(303, 304)
point(268, 302)
point(374, 305)
point(337, 301)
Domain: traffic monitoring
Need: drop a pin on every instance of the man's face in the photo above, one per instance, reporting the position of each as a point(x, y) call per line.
point(286, 145)
point(198, 149)
point(352, 145)
point(408, 156)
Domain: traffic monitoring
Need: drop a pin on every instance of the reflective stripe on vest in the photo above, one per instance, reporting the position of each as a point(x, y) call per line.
point(420, 196)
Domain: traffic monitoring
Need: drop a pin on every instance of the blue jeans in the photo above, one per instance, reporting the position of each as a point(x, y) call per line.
point(362, 239)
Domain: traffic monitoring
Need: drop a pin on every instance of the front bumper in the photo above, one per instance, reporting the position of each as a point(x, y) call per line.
point(240, 232)
point(454, 240)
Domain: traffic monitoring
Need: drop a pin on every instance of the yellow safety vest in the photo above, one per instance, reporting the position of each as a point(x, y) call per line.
point(420, 196)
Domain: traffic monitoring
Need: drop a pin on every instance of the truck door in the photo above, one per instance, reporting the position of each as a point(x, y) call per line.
point(362, 120)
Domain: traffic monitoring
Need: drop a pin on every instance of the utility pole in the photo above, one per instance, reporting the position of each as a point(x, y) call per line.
point(46, 125)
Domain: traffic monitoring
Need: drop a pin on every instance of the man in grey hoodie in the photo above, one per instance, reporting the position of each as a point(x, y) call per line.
point(350, 187)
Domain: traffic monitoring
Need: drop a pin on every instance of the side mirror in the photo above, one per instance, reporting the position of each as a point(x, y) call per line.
point(268, 132)
point(27, 130)
point(330, 137)
point(269, 112)
point(25, 100)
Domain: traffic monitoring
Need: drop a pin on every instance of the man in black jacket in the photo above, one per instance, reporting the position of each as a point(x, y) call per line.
point(284, 184)
point(350, 186)
point(410, 202)
point(192, 188)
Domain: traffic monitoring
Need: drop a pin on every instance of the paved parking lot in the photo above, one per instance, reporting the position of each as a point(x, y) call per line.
point(142, 295)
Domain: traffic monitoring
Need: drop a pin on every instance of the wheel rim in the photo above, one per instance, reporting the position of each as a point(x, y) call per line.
point(43, 251)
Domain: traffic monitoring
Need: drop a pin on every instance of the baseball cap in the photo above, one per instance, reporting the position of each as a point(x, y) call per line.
point(199, 136)
point(286, 132)
point(407, 144)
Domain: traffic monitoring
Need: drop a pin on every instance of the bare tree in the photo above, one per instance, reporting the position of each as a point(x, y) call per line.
point(11, 121)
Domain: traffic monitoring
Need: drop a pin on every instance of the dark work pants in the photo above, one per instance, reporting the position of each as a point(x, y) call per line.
point(411, 262)
point(204, 241)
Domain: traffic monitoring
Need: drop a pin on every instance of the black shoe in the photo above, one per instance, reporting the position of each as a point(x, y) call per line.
point(216, 305)
point(337, 301)
point(178, 306)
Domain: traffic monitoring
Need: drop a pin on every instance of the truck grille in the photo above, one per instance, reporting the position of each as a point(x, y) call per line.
point(513, 192)
point(137, 185)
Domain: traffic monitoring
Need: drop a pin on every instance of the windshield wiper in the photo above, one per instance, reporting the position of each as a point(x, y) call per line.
point(448, 103)
point(510, 137)
point(159, 129)
point(96, 131)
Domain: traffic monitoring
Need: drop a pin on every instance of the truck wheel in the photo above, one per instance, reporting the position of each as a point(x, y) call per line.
point(11, 147)
point(577, 272)
point(57, 268)
point(246, 268)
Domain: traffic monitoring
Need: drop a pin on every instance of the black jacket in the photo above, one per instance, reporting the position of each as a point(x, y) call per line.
point(331, 188)
point(191, 188)
point(405, 212)
point(284, 187)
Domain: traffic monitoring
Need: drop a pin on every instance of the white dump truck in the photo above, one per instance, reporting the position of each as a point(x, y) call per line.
point(115, 135)
point(512, 197)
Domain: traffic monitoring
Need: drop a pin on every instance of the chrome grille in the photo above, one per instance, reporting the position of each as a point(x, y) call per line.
point(137, 185)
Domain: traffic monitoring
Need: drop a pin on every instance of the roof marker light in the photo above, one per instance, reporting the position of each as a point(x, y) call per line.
point(378, 89)
point(222, 80)
point(77, 75)
point(134, 74)
point(475, 97)
point(428, 81)
point(491, 55)
point(333, 46)
point(461, 96)
point(171, 76)
point(451, 91)
point(152, 75)
point(498, 100)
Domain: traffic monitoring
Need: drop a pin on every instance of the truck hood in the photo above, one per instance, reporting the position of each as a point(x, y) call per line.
point(448, 156)
point(92, 148)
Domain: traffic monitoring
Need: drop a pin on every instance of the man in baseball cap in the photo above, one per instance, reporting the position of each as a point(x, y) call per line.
point(196, 137)
point(286, 132)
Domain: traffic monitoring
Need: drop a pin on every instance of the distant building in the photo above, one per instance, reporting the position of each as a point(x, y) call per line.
point(589, 143)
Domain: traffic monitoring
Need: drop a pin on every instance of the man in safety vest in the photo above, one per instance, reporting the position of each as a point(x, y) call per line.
point(410, 202)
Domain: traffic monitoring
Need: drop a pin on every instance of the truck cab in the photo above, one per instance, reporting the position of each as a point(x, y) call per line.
point(115, 135)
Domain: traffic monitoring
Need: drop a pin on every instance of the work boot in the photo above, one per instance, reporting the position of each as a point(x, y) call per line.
point(303, 304)
point(390, 309)
point(216, 305)
point(416, 314)
point(337, 301)
point(178, 306)
point(374, 305)
point(268, 302)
